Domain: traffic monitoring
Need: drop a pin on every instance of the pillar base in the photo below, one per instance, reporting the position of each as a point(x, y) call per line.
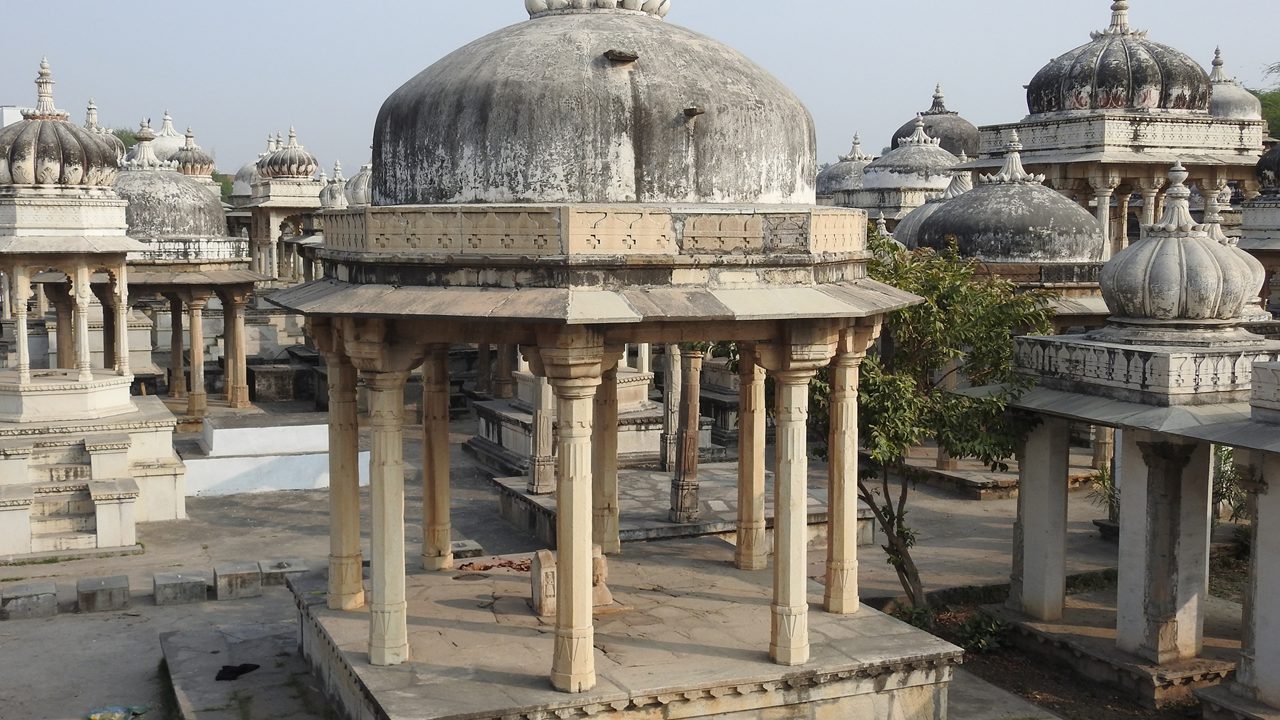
point(790, 643)
point(841, 597)
point(573, 669)
point(390, 622)
point(437, 562)
point(346, 583)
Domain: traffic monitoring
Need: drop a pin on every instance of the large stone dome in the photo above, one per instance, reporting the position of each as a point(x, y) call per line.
point(955, 134)
point(845, 175)
point(919, 163)
point(594, 104)
point(291, 161)
point(164, 204)
point(1011, 217)
point(45, 149)
point(1120, 69)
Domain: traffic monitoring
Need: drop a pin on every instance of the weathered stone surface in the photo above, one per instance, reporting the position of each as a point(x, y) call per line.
point(179, 588)
point(29, 601)
point(276, 572)
point(233, 581)
point(102, 594)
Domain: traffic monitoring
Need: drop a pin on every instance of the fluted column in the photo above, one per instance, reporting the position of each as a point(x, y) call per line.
point(789, 643)
point(346, 584)
point(19, 292)
point(604, 459)
point(120, 293)
point(1103, 188)
point(671, 408)
point(437, 539)
point(752, 551)
point(177, 373)
point(542, 463)
point(83, 293)
point(841, 595)
point(197, 398)
point(388, 630)
point(685, 504)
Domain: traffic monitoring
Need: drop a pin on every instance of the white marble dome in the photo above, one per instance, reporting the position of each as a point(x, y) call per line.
point(594, 101)
point(359, 187)
point(1178, 272)
point(291, 161)
point(45, 149)
point(192, 160)
point(333, 196)
point(105, 135)
point(918, 163)
point(1231, 101)
point(845, 175)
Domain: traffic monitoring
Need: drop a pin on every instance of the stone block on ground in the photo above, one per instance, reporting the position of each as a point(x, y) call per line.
point(275, 572)
point(542, 573)
point(180, 588)
point(105, 594)
point(234, 581)
point(29, 601)
point(465, 549)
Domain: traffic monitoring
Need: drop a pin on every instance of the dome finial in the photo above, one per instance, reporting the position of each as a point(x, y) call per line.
point(919, 137)
point(293, 137)
point(1119, 18)
point(656, 8)
point(1219, 74)
point(144, 155)
point(1177, 203)
point(855, 153)
point(1013, 172)
point(191, 139)
point(91, 117)
point(337, 171)
point(939, 102)
point(45, 109)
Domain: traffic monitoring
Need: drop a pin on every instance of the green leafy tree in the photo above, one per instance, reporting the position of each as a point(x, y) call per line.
point(962, 330)
point(127, 136)
point(1271, 101)
point(227, 184)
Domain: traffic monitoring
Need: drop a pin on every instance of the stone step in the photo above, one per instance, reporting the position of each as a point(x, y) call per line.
point(57, 524)
point(59, 500)
point(56, 542)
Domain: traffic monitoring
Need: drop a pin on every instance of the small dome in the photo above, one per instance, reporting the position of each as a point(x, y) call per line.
point(333, 196)
point(1268, 171)
point(168, 140)
point(46, 149)
point(103, 134)
point(594, 101)
point(1177, 273)
point(1230, 99)
point(908, 230)
point(192, 160)
point(954, 133)
point(291, 161)
point(919, 162)
point(164, 204)
point(846, 174)
point(1011, 217)
point(1120, 70)
point(358, 187)
point(249, 175)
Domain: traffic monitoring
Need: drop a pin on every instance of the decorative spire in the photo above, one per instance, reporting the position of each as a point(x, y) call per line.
point(166, 127)
point(144, 155)
point(191, 140)
point(1219, 74)
point(919, 137)
point(1119, 18)
point(45, 109)
point(656, 8)
point(939, 103)
point(293, 137)
point(337, 172)
point(855, 153)
point(961, 183)
point(91, 117)
point(882, 227)
point(1177, 204)
point(1013, 172)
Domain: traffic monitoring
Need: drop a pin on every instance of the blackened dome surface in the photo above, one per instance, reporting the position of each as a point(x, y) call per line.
point(954, 133)
point(165, 204)
point(1120, 69)
point(555, 110)
point(1268, 170)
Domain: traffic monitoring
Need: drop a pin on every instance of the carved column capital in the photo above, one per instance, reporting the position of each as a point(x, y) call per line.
point(805, 348)
point(1167, 455)
point(373, 347)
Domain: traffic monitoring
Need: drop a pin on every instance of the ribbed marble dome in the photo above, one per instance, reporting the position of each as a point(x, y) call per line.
point(291, 161)
point(919, 162)
point(1011, 217)
point(1231, 101)
point(105, 135)
point(1120, 69)
point(45, 149)
point(333, 196)
point(1178, 273)
point(594, 101)
point(359, 187)
point(955, 134)
point(845, 175)
point(192, 160)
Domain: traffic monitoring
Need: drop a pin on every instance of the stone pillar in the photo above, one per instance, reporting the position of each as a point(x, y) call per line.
point(346, 584)
point(685, 505)
point(484, 368)
point(437, 528)
point(504, 384)
point(574, 372)
point(62, 313)
point(789, 644)
point(1038, 584)
point(388, 630)
point(1259, 671)
point(177, 374)
point(197, 398)
point(671, 406)
point(1164, 547)
point(1104, 186)
point(1104, 447)
point(604, 458)
point(1149, 188)
point(522, 365)
point(83, 293)
point(542, 463)
point(644, 358)
point(1120, 239)
point(42, 300)
point(120, 293)
point(239, 394)
point(106, 299)
point(753, 541)
point(229, 351)
point(842, 475)
point(19, 292)
point(6, 302)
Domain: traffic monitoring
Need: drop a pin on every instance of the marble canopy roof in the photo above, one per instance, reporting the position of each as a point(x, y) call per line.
point(67, 245)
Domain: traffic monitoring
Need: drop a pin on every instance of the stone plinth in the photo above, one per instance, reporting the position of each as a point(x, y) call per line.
point(1223, 702)
point(29, 601)
point(652, 654)
point(57, 396)
point(102, 594)
point(234, 581)
point(179, 588)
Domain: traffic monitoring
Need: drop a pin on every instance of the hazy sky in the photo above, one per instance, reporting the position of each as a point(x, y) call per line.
point(236, 70)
